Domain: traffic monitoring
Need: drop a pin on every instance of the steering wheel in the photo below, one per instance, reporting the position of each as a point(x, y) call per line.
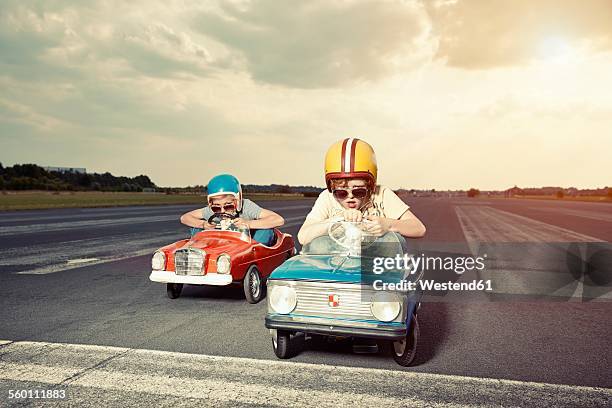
point(347, 234)
point(218, 220)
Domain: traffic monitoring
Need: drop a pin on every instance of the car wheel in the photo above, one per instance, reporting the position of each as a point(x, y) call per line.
point(174, 290)
point(285, 344)
point(253, 285)
point(403, 351)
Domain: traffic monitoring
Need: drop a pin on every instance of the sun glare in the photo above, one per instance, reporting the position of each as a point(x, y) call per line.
point(557, 50)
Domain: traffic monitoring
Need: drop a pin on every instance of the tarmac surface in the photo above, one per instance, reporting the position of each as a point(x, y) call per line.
point(75, 283)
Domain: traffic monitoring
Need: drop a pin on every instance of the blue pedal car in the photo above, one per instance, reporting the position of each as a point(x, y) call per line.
point(321, 292)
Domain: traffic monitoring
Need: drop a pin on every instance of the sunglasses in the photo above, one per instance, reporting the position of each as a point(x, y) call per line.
point(216, 208)
point(357, 192)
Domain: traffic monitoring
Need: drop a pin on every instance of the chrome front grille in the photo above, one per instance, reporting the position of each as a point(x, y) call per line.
point(189, 261)
point(314, 299)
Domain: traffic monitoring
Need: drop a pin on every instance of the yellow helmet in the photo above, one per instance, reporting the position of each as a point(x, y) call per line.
point(350, 158)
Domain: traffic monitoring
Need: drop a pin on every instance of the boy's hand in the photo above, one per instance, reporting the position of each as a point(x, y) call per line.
point(239, 222)
point(378, 226)
point(352, 215)
point(207, 225)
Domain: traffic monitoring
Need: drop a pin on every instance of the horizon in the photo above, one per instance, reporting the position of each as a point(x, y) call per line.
point(323, 186)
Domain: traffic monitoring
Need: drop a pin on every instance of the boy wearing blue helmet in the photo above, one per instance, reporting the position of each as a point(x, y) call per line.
point(225, 196)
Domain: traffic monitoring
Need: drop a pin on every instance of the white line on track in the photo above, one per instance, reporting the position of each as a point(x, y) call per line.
point(233, 380)
point(94, 223)
point(54, 257)
point(594, 215)
point(488, 224)
point(540, 273)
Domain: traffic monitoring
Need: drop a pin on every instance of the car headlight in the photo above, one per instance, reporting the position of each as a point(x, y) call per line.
point(224, 263)
point(282, 299)
point(385, 306)
point(159, 261)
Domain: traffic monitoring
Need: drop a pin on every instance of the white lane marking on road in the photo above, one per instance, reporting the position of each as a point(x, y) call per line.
point(95, 223)
point(65, 267)
point(60, 252)
point(512, 274)
point(269, 382)
point(118, 212)
point(52, 258)
point(488, 224)
point(595, 215)
point(84, 213)
point(114, 219)
point(80, 261)
point(203, 389)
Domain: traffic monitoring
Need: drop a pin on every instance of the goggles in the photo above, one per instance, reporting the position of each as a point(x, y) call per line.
point(216, 208)
point(357, 192)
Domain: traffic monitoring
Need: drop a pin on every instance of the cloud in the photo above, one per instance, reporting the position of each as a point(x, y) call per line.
point(321, 44)
point(61, 40)
point(183, 89)
point(481, 34)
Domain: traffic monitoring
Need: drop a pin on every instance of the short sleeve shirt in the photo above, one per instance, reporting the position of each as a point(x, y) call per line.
point(384, 203)
point(250, 211)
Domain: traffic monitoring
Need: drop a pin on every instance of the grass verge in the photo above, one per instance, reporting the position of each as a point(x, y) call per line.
point(38, 200)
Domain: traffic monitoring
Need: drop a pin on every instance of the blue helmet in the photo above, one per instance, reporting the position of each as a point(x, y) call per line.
point(225, 184)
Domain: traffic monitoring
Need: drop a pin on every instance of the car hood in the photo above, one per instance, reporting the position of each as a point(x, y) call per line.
point(331, 268)
point(217, 245)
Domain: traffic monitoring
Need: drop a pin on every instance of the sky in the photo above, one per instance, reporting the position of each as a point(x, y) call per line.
point(451, 94)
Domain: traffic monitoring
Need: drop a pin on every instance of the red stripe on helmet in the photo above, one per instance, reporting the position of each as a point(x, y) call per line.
point(353, 147)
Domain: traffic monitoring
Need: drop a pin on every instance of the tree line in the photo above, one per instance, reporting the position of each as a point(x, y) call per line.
point(34, 177)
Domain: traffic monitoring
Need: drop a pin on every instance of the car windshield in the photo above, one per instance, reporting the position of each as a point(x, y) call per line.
point(226, 225)
point(349, 238)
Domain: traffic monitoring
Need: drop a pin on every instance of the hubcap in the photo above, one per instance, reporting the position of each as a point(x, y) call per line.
point(399, 346)
point(255, 284)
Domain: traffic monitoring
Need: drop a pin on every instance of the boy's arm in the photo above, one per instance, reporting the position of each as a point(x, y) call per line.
point(408, 225)
point(400, 218)
point(311, 230)
point(267, 219)
point(194, 219)
point(316, 222)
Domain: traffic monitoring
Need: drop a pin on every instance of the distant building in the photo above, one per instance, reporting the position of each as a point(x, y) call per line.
point(80, 170)
point(148, 190)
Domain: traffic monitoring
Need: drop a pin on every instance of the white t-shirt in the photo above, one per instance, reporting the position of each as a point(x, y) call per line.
point(383, 203)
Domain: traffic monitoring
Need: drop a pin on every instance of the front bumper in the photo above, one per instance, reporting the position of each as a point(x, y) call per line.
point(214, 279)
point(333, 327)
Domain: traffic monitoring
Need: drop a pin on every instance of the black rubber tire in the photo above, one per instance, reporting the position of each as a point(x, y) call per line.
point(282, 344)
point(287, 344)
point(173, 290)
point(253, 285)
point(406, 358)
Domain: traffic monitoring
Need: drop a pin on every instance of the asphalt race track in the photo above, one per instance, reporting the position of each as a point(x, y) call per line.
point(78, 310)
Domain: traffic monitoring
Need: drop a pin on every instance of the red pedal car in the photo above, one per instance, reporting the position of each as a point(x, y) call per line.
point(223, 256)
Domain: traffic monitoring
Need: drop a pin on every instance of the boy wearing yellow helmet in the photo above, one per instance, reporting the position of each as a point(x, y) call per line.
point(352, 193)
